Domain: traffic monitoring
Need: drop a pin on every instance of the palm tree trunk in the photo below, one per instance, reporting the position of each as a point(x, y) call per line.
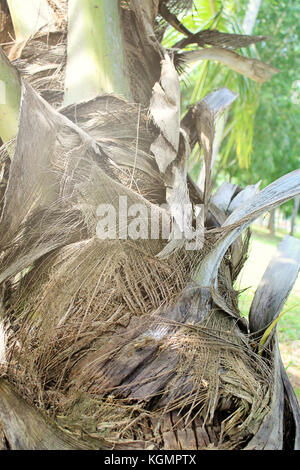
point(251, 15)
point(95, 51)
point(271, 223)
point(294, 215)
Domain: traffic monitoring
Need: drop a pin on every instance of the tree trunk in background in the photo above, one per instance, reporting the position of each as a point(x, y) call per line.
point(294, 214)
point(271, 224)
point(251, 15)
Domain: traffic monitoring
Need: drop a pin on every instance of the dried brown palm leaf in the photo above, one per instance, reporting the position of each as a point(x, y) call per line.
point(252, 68)
point(265, 308)
point(216, 38)
point(42, 62)
point(269, 300)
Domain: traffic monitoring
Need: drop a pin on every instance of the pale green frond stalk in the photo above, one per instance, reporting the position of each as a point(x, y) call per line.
point(270, 329)
point(10, 96)
point(95, 62)
point(212, 6)
point(29, 16)
point(200, 84)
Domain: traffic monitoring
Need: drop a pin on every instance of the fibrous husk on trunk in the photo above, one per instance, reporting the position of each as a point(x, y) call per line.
point(41, 60)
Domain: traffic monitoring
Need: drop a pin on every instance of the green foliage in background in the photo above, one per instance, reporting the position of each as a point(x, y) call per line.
point(276, 138)
point(207, 75)
point(261, 139)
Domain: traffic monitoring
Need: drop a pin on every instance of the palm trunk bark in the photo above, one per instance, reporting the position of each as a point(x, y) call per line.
point(251, 16)
point(271, 223)
point(294, 215)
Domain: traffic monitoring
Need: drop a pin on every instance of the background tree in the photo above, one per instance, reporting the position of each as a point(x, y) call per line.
point(276, 147)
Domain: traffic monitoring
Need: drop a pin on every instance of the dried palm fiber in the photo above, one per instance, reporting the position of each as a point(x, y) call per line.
point(72, 216)
point(216, 38)
point(6, 26)
point(197, 394)
point(4, 172)
point(42, 62)
point(76, 376)
point(109, 117)
point(110, 120)
point(60, 8)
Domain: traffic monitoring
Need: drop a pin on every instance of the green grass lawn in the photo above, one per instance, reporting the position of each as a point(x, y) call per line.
point(262, 248)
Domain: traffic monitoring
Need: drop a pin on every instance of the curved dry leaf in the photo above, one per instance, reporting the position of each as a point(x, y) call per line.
point(252, 68)
point(223, 196)
point(243, 196)
point(275, 285)
point(165, 111)
point(270, 434)
point(217, 102)
point(275, 194)
point(200, 123)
